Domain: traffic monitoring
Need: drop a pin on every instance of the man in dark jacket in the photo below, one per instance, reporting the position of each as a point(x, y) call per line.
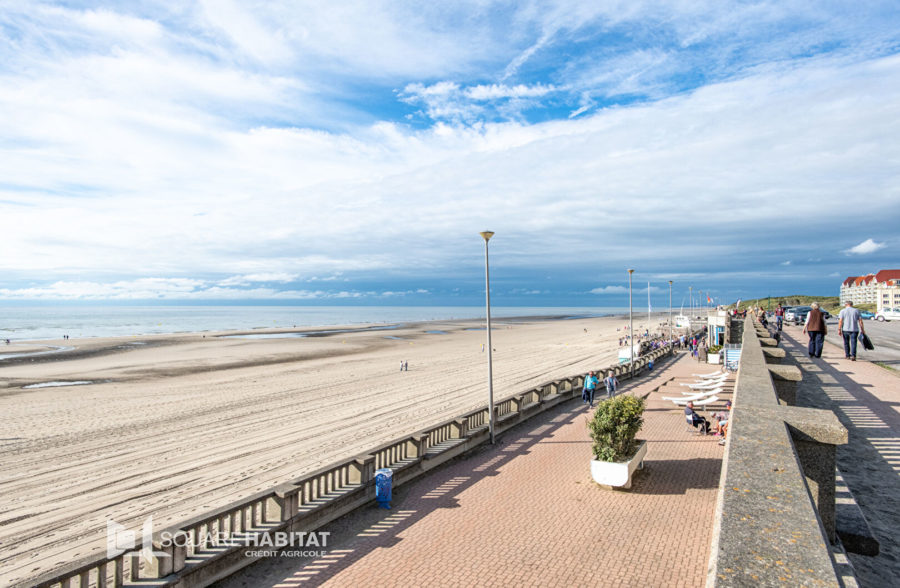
point(816, 329)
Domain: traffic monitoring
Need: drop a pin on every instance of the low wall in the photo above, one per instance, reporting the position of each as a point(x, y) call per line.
point(775, 511)
point(310, 502)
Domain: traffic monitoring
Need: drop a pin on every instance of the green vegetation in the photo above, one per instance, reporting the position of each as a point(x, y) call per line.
point(613, 427)
point(830, 303)
point(886, 366)
point(714, 349)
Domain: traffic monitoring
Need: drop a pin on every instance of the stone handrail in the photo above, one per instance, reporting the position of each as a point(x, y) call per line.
point(775, 510)
point(207, 548)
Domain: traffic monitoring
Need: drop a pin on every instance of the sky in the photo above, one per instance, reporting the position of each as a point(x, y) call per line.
point(351, 152)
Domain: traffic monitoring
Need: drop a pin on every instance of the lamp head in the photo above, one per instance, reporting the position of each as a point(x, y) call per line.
point(486, 235)
point(670, 282)
point(631, 271)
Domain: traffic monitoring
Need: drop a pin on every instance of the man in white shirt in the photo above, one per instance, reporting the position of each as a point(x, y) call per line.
point(850, 325)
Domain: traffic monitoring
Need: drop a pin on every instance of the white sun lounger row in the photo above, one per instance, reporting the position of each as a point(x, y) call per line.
point(698, 396)
point(709, 392)
point(707, 385)
point(701, 402)
point(712, 375)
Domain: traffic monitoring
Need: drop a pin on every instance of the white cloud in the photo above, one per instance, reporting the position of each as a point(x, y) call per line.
point(246, 279)
point(867, 246)
point(499, 91)
point(184, 143)
point(788, 262)
point(182, 289)
point(610, 290)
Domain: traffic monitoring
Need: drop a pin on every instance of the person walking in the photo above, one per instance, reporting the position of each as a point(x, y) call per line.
point(590, 386)
point(779, 317)
point(816, 328)
point(850, 326)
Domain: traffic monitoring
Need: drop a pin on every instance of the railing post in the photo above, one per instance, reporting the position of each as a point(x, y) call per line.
point(162, 563)
point(417, 445)
point(282, 505)
point(363, 469)
point(460, 428)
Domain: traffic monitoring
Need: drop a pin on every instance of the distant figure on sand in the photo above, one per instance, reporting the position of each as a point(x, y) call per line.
point(404, 366)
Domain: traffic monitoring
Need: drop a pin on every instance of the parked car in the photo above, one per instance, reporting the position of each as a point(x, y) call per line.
point(867, 315)
point(796, 314)
point(888, 314)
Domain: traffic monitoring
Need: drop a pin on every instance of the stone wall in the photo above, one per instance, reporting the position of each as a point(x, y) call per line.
point(775, 512)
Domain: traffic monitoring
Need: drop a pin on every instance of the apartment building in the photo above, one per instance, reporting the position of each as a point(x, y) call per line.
point(881, 289)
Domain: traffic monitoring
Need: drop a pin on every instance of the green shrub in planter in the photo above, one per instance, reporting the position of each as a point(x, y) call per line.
point(714, 349)
point(614, 426)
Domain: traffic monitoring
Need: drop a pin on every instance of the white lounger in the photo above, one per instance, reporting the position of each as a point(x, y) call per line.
point(705, 401)
point(696, 396)
point(703, 392)
point(712, 375)
point(706, 386)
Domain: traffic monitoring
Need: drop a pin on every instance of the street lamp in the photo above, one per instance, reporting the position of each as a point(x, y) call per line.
point(691, 296)
point(630, 324)
point(486, 235)
point(670, 312)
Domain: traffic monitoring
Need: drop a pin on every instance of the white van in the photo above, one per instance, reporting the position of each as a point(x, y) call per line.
point(887, 314)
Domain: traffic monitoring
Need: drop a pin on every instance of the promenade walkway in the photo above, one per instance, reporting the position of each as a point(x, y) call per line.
point(865, 397)
point(526, 512)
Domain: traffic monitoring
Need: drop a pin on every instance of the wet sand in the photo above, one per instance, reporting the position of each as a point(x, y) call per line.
point(172, 426)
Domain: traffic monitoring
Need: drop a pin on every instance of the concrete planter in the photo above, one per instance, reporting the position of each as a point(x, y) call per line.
point(618, 474)
point(713, 358)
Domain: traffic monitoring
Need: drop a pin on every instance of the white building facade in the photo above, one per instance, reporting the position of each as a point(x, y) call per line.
point(881, 289)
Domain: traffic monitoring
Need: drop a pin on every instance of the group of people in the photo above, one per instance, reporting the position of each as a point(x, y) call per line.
point(850, 325)
point(720, 421)
point(591, 382)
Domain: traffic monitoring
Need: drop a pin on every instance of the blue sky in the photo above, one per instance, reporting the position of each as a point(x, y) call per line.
point(350, 152)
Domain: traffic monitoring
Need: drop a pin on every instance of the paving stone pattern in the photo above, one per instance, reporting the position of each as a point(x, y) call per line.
point(526, 512)
point(865, 397)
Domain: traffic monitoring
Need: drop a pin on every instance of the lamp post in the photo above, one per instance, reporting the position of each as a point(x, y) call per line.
point(630, 325)
point(486, 235)
point(691, 296)
point(670, 312)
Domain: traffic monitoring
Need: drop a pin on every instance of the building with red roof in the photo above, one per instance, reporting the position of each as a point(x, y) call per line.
point(881, 288)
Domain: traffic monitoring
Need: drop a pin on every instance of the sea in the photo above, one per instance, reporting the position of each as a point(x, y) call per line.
point(36, 323)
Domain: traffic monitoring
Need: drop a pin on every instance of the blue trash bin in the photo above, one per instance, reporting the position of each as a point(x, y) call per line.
point(384, 479)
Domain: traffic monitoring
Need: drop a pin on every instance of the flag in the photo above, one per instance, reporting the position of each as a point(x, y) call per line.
point(738, 303)
point(649, 308)
point(708, 299)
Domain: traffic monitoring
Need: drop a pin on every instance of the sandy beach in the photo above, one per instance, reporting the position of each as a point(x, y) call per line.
point(171, 426)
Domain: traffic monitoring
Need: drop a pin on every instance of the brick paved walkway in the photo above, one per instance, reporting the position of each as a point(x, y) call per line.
point(526, 512)
point(865, 397)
